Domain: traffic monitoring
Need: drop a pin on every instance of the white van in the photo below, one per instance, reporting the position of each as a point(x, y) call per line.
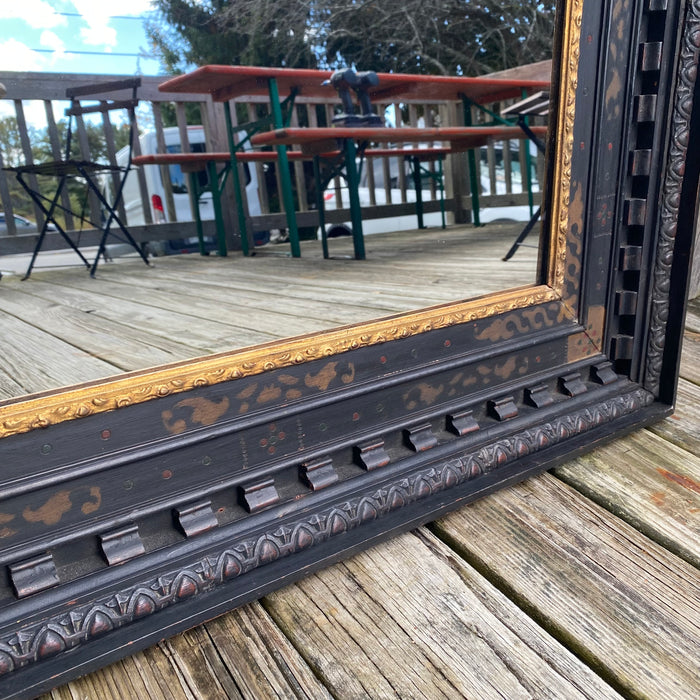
point(409, 222)
point(133, 204)
point(394, 223)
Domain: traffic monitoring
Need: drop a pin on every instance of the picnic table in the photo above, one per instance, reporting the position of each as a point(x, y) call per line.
point(346, 139)
point(225, 83)
point(193, 163)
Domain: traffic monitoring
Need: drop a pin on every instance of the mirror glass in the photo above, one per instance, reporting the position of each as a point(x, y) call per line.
point(63, 327)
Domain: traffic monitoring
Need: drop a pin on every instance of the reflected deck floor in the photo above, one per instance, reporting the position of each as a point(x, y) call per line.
point(579, 583)
point(64, 327)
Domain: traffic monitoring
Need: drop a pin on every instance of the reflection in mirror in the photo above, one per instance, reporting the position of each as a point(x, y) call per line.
point(63, 328)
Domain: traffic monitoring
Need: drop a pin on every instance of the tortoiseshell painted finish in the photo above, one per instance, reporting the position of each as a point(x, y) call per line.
point(134, 508)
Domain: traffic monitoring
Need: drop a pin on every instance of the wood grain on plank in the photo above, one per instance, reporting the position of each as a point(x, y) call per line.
point(406, 619)
point(690, 357)
point(36, 361)
point(683, 427)
point(263, 662)
point(148, 675)
point(649, 483)
point(626, 606)
point(118, 344)
point(242, 655)
point(221, 292)
point(172, 291)
point(188, 306)
point(174, 319)
point(9, 387)
point(692, 316)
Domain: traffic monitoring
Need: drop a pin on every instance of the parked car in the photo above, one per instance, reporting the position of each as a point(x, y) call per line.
point(21, 224)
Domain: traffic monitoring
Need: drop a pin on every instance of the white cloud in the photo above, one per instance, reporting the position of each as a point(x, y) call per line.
point(42, 14)
point(52, 41)
point(99, 35)
point(38, 14)
point(16, 56)
point(134, 7)
point(97, 17)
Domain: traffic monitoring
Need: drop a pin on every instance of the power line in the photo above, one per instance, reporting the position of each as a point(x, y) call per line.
point(77, 14)
point(98, 53)
point(95, 53)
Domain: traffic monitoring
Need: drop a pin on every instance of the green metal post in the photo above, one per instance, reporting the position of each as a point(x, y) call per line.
point(320, 206)
point(240, 208)
point(474, 179)
point(415, 171)
point(285, 178)
point(218, 214)
point(194, 189)
point(355, 210)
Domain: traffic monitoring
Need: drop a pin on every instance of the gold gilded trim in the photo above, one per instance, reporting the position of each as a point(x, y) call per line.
point(50, 408)
point(561, 194)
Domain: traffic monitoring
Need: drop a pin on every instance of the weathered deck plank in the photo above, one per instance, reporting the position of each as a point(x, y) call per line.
point(133, 317)
point(111, 341)
point(243, 655)
point(408, 619)
point(34, 361)
point(649, 483)
point(148, 674)
point(202, 327)
point(692, 318)
point(294, 287)
point(690, 359)
point(683, 427)
point(624, 604)
point(588, 604)
point(232, 297)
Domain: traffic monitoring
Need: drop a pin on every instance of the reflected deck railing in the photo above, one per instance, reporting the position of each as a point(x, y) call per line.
point(37, 102)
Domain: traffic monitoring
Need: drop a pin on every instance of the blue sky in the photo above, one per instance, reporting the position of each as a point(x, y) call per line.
point(101, 30)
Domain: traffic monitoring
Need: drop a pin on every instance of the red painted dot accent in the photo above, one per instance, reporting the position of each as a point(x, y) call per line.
point(448, 343)
point(382, 359)
point(106, 434)
point(281, 436)
point(356, 416)
point(263, 442)
point(167, 474)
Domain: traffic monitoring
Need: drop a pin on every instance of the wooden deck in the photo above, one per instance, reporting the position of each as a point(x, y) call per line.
point(582, 582)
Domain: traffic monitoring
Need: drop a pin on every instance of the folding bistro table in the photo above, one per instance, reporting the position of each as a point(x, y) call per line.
point(225, 83)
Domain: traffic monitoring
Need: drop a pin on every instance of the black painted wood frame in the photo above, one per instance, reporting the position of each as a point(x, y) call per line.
point(134, 508)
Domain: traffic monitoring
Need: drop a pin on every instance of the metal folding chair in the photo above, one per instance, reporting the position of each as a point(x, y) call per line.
point(87, 171)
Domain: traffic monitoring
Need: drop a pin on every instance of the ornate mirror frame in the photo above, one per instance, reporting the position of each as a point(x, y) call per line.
point(140, 506)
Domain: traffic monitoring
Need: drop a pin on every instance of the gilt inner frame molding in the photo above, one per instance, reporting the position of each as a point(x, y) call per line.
point(49, 408)
point(133, 508)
